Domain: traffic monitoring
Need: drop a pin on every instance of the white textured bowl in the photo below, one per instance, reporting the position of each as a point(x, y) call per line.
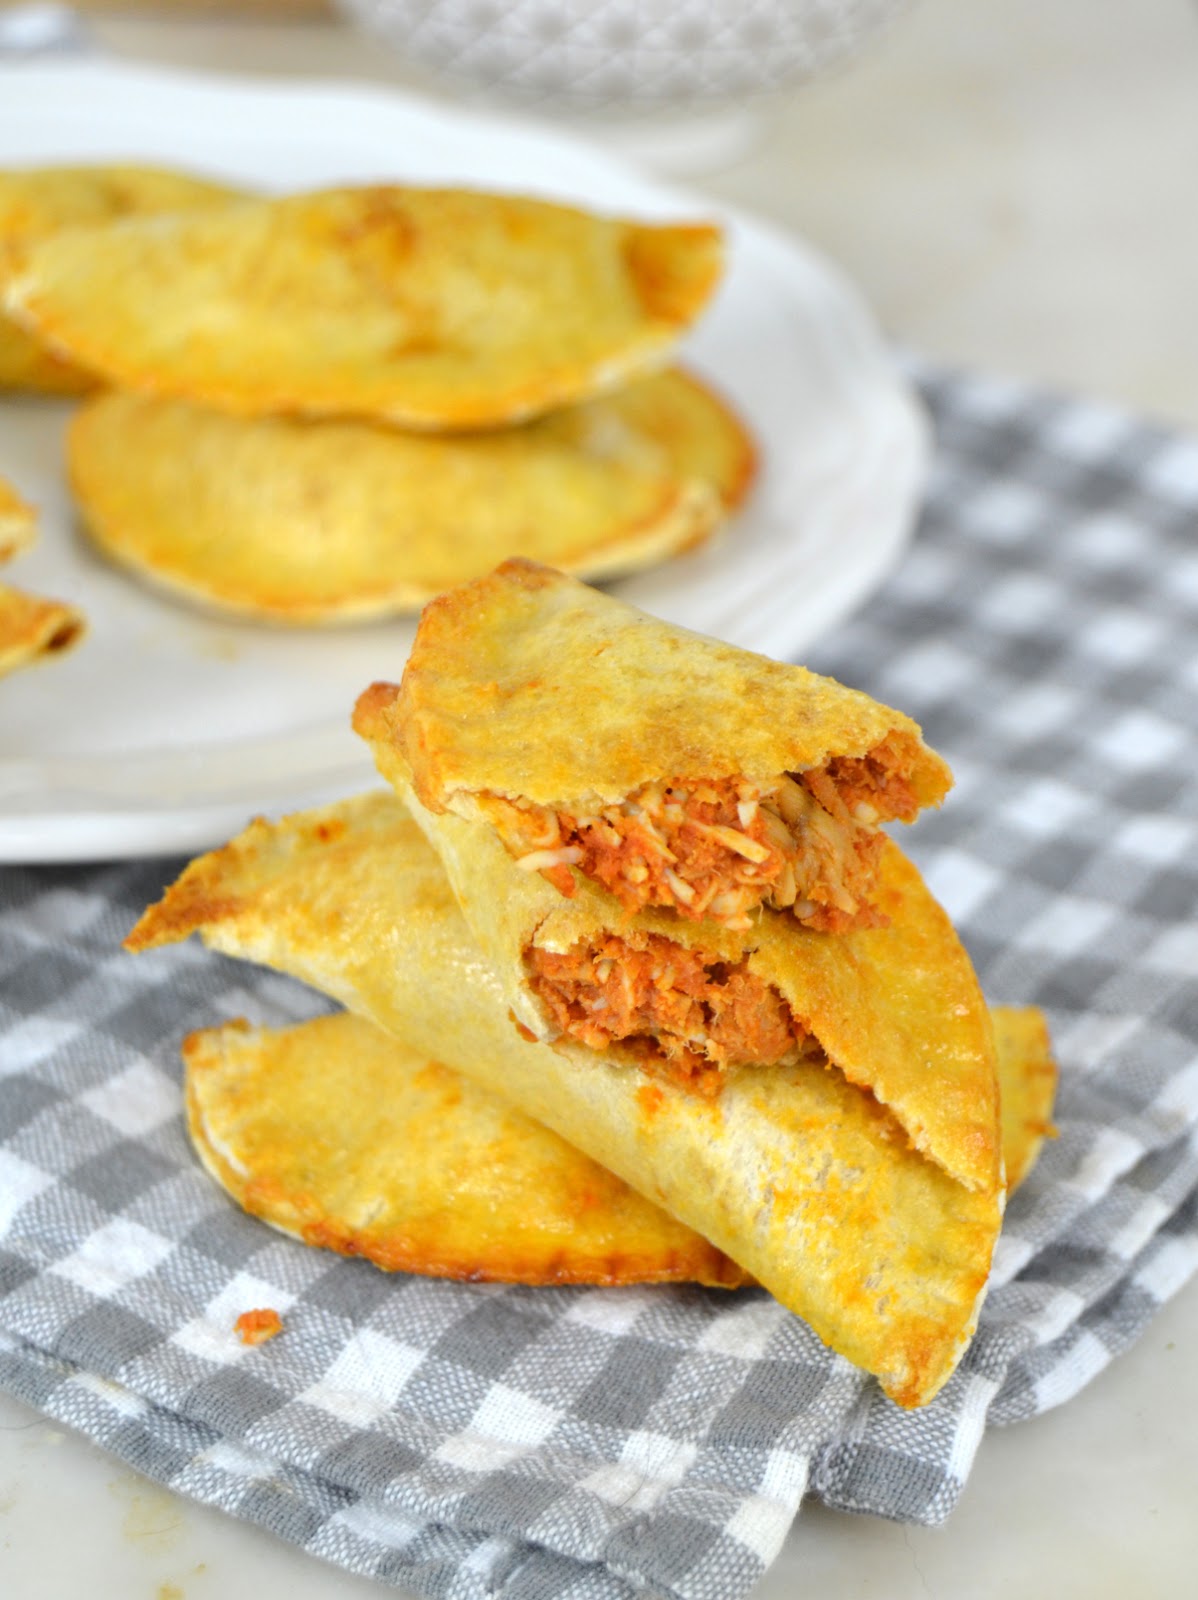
point(635, 56)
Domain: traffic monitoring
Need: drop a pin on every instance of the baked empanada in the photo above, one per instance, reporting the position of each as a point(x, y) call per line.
point(33, 628)
point(296, 521)
point(431, 308)
point(895, 1008)
point(18, 522)
point(671, 769)
point(1027, 1076)
point(40, 201)
point(803, 1179)
point(336, 1132)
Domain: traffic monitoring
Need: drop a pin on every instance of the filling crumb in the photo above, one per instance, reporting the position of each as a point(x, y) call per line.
point(256, 1327)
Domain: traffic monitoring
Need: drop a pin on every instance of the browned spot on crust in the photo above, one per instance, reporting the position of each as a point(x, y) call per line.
point(178, 914)
point(654, 257)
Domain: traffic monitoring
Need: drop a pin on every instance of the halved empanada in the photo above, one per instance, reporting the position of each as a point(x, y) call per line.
point(675, 771)
point(895, 1007)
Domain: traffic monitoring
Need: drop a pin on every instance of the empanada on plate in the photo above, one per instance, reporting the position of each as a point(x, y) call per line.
point(336, 1132)
point(37, 202)
point(299, 521)
point(434, 309)
point(18, 522)
point(33, 628)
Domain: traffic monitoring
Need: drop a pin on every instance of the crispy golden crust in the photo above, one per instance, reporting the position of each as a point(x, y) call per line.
point(337, 1133)
point(798, 1176)
point(18, 522)
point(897, 1008)
point(27, 365)
point(581, 696)
point(38, 202)
point(295, 521)
point(1028, 1078)
point(438, 309)
point(32, 629)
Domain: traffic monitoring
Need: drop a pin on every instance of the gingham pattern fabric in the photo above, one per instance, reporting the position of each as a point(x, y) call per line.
point(467, 1441)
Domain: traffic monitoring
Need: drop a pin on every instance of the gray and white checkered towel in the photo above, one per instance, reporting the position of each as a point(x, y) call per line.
point(471, 1441)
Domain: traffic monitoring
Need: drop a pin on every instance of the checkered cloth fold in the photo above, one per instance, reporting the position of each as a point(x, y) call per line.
point(470, 1441)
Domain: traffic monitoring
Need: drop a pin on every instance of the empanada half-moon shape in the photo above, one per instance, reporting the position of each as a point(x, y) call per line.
point(676, 770)
point(430, 308)
point(38, 202)
point(339, 1134)
point(801, 1178)
point(298, 521)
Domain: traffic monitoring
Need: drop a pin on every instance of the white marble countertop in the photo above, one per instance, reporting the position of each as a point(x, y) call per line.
point(1012, 185)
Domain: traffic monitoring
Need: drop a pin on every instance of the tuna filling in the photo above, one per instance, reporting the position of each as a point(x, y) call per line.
point(806, 842)
point(671, 1008)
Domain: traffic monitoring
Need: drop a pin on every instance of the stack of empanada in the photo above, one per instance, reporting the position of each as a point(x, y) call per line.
point(333, 406)
point(601, 902)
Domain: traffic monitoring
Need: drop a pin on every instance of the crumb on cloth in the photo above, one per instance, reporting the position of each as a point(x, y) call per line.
point(256, 1327)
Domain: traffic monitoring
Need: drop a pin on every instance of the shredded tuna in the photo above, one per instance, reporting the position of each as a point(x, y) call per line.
point(719, 848)
point(675, 1011)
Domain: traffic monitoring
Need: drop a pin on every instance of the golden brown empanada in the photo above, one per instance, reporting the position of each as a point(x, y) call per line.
point(1027, 1077)
point(40, 201)
point(675, 771)
point(296, 521)
point(18, 522)
point(336, 1132)
point(431, 308)
point(895, 1007)
point(803, 1179)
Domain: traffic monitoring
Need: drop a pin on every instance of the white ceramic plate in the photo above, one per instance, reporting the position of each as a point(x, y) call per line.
point(165, 730)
